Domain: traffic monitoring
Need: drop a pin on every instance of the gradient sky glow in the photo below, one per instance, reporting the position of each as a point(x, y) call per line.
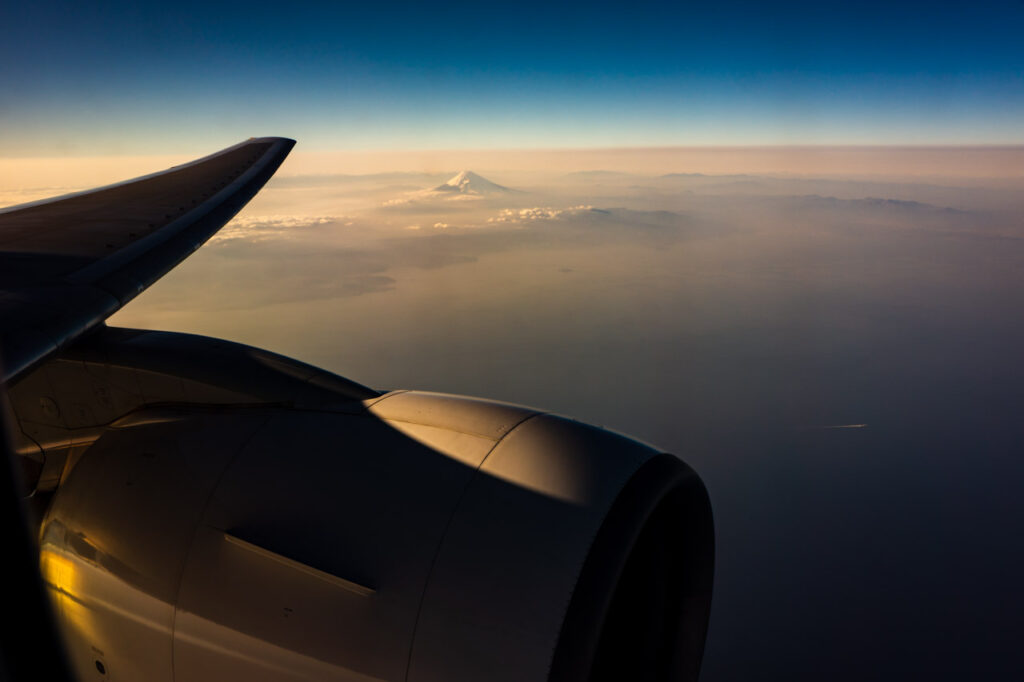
point(155, 78)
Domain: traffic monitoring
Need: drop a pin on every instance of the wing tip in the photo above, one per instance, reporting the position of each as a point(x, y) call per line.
point(272, 139)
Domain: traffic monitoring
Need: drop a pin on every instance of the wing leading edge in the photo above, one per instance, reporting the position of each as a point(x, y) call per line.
point(68, 263)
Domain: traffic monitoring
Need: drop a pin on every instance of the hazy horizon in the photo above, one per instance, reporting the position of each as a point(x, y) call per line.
point(25, 179)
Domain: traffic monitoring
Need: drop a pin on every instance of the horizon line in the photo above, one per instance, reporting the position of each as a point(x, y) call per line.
point(300, 148)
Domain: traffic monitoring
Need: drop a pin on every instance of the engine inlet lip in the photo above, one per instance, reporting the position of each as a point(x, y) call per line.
point(663, 484)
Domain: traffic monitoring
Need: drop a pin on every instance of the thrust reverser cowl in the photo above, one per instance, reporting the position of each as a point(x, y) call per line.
point(428, 538)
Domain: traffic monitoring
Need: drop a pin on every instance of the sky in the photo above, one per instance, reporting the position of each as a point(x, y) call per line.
point(80, 79)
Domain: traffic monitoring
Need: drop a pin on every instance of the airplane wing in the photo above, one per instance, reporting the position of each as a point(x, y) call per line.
point(68, 263)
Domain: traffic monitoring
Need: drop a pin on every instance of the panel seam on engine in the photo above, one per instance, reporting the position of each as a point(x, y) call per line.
point(444, 535)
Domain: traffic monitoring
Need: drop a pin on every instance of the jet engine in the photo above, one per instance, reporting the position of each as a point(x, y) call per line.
point(219, 512)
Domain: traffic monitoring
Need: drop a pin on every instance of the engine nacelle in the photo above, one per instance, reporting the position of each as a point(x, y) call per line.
point(408, 536)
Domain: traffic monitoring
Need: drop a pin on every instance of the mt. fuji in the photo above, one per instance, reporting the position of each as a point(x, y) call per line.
point(468, 182)
point(463, 186)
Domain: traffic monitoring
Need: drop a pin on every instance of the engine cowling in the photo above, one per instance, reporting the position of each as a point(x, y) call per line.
point(409, 536)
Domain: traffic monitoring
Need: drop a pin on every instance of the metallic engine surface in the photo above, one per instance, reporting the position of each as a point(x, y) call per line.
point(292, 525)
point(467, 572)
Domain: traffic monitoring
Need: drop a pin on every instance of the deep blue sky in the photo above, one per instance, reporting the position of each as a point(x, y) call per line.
point(141, 78)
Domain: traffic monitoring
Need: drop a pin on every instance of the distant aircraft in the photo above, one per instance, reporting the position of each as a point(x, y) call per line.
point(211, 511)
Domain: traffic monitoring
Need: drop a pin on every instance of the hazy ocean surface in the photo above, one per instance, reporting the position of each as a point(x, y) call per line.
point(842, 360)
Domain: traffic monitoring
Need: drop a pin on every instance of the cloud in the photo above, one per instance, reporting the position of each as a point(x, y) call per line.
point(429, 199)
point(440, 226)
point(259, 228)
point(525, 215)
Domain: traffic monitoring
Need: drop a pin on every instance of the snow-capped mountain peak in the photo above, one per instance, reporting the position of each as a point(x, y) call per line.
point(468, 182)
point(463, 186)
